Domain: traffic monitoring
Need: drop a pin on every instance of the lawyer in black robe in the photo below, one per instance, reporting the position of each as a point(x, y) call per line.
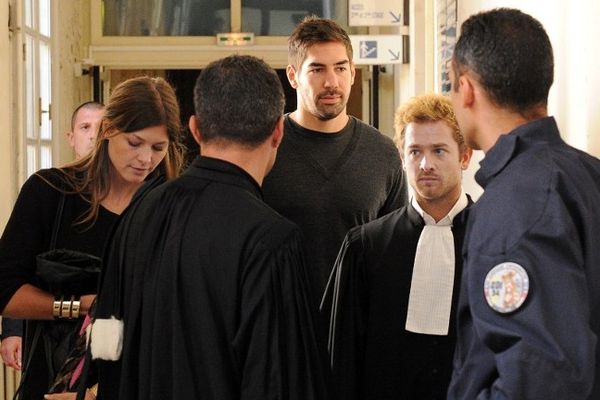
point(215, 295)
point(373, 356)
point(209, 281)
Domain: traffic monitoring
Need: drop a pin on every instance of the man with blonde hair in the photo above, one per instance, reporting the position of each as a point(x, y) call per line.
point(396, 278)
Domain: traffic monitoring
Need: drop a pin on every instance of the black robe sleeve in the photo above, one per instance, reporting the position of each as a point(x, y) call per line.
point(346, 302)
point(276, 342)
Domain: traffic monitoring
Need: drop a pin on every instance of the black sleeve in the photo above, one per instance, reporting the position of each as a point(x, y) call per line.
point(12, 327)
point(27, 234)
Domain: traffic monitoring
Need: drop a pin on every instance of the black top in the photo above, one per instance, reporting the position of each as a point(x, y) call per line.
point(328, 183)
point(213, 295)
point(28, 233)
point(373, 356)
point(29, 230)
point(540, 210)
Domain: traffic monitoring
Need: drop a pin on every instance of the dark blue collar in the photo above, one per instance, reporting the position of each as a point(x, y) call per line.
point(542, 130)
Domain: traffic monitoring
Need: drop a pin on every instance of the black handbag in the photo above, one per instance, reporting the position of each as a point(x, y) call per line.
point(64, 273)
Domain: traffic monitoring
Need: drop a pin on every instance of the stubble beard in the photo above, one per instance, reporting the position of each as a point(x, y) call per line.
point(328, 112)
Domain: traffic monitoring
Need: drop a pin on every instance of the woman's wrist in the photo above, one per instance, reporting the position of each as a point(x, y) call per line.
point(66, 309)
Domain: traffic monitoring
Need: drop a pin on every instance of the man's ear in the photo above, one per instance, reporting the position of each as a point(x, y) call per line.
point(277, 135)
point(70, 137)
point(195, 129)
point(465, 157)
point(290, 71)
point(466, 90)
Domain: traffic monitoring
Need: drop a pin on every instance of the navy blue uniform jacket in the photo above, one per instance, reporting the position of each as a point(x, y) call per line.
point(541, 210)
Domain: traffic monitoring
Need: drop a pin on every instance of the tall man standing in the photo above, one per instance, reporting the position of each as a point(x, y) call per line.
point(333, 171)
point(210, 281)
point(392, 330)
point(529, 312)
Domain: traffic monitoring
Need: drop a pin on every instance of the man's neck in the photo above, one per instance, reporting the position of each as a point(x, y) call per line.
point(307, 120)
point(502, 122)
point(440, 207)
point(254, 161)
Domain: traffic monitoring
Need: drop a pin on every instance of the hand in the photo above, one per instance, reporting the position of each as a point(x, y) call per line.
point(10, 348)
point(69, 396)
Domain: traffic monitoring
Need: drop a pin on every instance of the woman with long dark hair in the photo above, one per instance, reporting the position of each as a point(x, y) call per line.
point(76, 206)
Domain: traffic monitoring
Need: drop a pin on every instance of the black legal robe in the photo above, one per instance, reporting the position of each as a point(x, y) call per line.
point(213, 291)
point(372, 355)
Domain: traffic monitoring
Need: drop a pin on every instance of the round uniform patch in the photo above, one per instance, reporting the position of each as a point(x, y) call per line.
point(506, 287)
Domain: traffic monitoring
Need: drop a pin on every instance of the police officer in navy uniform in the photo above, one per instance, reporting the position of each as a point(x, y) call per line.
point(529, 308)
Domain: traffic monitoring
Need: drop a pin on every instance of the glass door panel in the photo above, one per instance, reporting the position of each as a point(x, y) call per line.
point(165, 17)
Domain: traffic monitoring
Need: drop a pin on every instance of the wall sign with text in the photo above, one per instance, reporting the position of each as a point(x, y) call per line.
point(375, 12)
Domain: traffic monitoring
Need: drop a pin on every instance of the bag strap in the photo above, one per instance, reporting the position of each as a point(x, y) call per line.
point(57, 220)
point(34, 342)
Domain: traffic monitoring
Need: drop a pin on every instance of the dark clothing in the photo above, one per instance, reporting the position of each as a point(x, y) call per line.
point(328, 183)
point(11, 327)
point(214, 295)
point(540, 210)
point(27, 234)
point(372, 355)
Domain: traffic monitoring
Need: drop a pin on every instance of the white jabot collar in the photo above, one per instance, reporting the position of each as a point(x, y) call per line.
point(430, 299)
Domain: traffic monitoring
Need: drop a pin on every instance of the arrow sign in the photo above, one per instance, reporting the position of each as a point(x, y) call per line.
point(395, 17)
point(377, 49)
point(375, 12)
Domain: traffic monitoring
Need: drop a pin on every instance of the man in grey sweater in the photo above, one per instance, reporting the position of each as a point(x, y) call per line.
point(333, 171)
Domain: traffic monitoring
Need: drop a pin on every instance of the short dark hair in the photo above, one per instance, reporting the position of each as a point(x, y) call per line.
point(511, 56)
point(312, 30)
point(238, 99)
point(92, 105)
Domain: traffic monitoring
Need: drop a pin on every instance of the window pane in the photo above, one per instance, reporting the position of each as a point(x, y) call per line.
point(45, 95)
point(46, 156)
point(279, 17)
point(31, 120)
point(44, 15)
point(31, 160)
point(28, 12)
point(166, 17)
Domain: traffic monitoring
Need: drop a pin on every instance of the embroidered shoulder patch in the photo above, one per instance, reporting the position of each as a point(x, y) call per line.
point(506, 287)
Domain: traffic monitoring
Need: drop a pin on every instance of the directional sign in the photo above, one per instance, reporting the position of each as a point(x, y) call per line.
point(375, 12)
point(377, 49)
